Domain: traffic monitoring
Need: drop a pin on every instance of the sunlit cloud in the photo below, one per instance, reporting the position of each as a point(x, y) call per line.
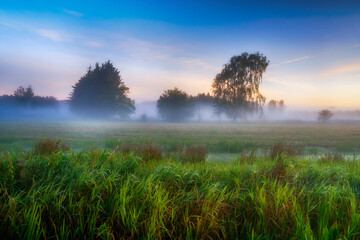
point(94, 44)
point(349, 68)
point(53, 35)
point(74, 13)
point(8, 23)
point(292, 84)
point(291, 61)
point(164, 54)
point(142, 49)
point(197, 62)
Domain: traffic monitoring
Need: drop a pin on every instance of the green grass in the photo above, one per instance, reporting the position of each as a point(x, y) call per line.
point(217, 138)
point(103, 194)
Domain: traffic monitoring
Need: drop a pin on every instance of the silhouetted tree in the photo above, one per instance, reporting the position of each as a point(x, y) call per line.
point(324, 115)
point(204, 98)
point(24, 96)
point(175, 105)
point(236, 87)
point(274, 105)
point(47, 101)
point(101, 92)
point(281, 104)
point(22, 92)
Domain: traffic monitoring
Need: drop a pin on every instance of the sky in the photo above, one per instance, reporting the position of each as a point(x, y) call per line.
point(313, 46)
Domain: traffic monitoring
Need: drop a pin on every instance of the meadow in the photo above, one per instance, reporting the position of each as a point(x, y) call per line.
point(153, 181)
point(314, 138)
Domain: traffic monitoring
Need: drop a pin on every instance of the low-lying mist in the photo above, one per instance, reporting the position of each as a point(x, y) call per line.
point(148, 112)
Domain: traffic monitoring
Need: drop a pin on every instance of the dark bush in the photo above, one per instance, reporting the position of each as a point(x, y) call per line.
point(193, 154)
point(49, 146)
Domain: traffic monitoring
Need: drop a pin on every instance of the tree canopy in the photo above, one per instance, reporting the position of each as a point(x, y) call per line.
point(236, 87)
point(101, 92)
point(25, 97)
point(274, 105)
point(324, 115)
point(175, 105)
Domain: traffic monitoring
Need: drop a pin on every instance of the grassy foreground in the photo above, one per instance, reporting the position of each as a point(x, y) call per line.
point(103, 194)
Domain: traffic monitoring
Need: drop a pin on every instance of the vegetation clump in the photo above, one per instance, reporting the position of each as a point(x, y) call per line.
point(49, 146)
point(332, 158)
point(146, 152)
point(193, 154)
point(278, 149)
point(248, 158)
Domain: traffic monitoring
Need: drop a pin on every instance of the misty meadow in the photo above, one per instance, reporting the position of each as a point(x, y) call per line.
point(179, 120)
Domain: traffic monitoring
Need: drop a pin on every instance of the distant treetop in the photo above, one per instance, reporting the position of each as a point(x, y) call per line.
point(101, 92)
point(236, 87)
point(175, 105)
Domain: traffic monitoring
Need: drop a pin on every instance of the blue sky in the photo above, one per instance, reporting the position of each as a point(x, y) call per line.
point(313, 46)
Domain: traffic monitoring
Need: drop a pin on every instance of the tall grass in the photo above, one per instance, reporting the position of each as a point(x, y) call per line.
point(110, 195)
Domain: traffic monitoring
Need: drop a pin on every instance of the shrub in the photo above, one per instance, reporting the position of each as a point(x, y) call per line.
point(193, 154)
point(288, 149)
point(49, 146)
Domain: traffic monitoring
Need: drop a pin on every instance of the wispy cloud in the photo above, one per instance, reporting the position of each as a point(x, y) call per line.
point(53, 35)
point(150, 51)
point(289, 83)
point(292, 61)
point(196, 62)
point(356, 45)
point(348, 68)
point(94, 44)
point(74, 13)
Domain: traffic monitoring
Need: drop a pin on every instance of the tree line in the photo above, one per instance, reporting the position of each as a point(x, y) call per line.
point(25, 97)
point(235, 92)
point(101, 91)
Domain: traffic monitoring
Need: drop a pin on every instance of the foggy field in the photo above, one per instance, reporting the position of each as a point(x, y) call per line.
point(313, 138)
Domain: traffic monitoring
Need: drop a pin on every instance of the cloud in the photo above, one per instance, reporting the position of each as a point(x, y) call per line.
point(292, 61)
point(356, 45)
point(94, 44)
point(292, 84)
point(8, 24)
point(165, 54)
point(348, 68)
point(74, 13)
point(53, 35)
